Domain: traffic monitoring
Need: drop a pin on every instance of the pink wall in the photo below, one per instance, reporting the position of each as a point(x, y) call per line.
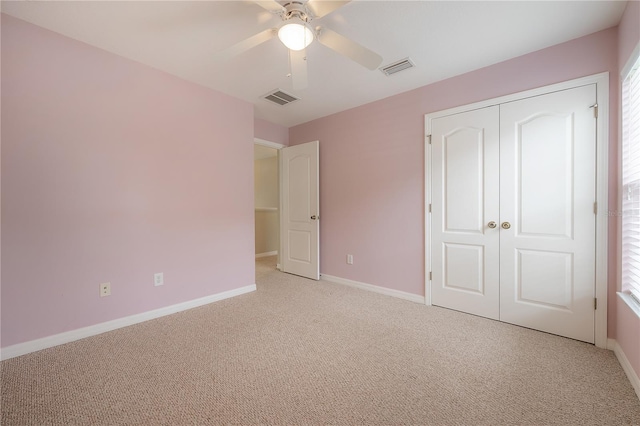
point(112, 171)
point(628, 323)
point(271, 132)
point(372, 161)
point(628, 32)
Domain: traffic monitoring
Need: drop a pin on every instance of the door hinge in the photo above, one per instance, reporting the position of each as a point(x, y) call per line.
point(595, 110)
point(428, 139)
point(429, 208)
point(595, 303)
point(595, 207)
point(430, 276)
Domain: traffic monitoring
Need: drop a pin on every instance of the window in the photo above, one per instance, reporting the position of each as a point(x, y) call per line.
point(631, 181)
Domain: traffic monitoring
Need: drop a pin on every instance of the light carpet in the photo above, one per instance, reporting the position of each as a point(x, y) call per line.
point(300, 352)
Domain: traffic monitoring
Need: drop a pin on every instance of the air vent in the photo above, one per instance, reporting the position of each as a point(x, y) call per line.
point(279, 97)
point(397, 67)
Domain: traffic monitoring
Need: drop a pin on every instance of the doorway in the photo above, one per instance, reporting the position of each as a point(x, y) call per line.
point(266, 201)
point(287, 206)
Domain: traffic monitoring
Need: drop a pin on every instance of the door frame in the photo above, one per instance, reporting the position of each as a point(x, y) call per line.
point(277, 146)
point(602, 183)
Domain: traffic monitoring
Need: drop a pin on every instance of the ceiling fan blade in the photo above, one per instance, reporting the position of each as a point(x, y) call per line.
point(298, 61)
point(245, 45)
point(319, 8)
point(349, 48)
point(270, 5)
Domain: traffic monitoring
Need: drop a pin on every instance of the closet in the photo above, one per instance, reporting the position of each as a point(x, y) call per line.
point(513, 212)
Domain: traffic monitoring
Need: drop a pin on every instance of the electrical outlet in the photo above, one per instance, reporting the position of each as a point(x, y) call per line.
point(349, 259)
point(158, 279)
point(105, 289)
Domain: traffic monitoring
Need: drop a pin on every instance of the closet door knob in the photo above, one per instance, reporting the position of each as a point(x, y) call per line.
point(492, 224)
point(314, 217)
point(506, 225)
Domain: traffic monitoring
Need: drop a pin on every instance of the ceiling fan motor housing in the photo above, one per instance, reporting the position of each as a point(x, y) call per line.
point(296, 9)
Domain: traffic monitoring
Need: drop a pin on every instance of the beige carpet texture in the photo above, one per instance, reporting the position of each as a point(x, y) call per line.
point(301, 352)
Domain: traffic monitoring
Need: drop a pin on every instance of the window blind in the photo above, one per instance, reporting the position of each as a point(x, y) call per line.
point(631, 182)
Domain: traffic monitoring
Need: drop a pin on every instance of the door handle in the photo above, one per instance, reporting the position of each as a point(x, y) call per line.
point(492, 224)
point(314, 217)
point(506, 225)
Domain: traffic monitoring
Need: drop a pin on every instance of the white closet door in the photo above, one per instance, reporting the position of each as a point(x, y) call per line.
point(465, 199)
point(547, 190)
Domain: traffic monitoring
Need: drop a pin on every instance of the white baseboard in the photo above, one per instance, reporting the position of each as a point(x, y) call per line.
point(81, 333)
point(376, 289)
point(626, 365)
point(266, 254)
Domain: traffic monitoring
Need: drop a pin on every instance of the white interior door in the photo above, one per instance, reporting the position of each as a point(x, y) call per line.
point(300, 210)
point(529, 166)
point(547, 190)
point(465, 212)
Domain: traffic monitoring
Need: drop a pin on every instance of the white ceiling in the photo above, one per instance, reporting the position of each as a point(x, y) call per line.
point(443, 38)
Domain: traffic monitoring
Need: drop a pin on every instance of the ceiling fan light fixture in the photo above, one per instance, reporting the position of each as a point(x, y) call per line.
point(296, 36)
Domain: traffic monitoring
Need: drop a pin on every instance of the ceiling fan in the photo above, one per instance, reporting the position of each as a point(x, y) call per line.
point(296, 33)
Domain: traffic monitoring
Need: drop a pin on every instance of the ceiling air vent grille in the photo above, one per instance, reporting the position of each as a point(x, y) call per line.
point(279, 97)
point(397, 66)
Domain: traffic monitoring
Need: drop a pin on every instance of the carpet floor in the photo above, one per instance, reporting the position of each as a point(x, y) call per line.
point(301, 352)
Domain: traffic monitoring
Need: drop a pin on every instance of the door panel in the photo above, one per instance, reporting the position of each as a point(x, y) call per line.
point(300, 246)
point(463, 268)
point(300, 210)
point(554, 269)
point(544, 156)
point(463, 205)
point(547, 190)
point(298, 188)
point(465, 197)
